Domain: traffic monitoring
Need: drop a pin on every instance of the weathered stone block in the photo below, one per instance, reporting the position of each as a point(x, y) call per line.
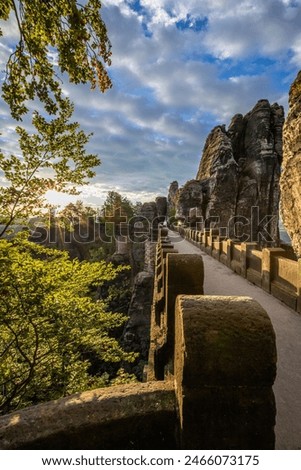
point(287, 296)
point(110, 418)
point(245, 250)
point(299, 287)
point(216, 248)
point(225, 366)
point(254, 276)
point(184, 275)
point(267, 259)
point(254, 269)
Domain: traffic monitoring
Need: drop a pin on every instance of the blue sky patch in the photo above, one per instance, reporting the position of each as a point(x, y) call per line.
point(250, 67)
point(136, 6)
point(192, 23)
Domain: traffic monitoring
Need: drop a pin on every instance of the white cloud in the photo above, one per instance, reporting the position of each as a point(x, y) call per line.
point(296, 48)
point(252, 28)
point(10, 29)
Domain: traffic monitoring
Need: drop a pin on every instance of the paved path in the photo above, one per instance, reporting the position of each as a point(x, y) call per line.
point(220, 280)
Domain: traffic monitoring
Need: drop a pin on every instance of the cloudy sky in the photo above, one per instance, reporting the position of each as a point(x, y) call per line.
point(179, 68)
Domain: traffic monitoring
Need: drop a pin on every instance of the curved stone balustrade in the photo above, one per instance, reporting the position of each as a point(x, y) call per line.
point(106, 418)
point(225, 366)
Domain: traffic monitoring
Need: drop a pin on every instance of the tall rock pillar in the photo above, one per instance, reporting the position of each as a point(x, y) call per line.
point(291, 168)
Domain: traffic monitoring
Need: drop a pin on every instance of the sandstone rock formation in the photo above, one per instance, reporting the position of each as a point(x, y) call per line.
point(239, 169)
point(259, 161)
point(291, 168)
point(192, 195)
point(149, 211)
point(161, 204)
point(218, 177)
point(172, 196)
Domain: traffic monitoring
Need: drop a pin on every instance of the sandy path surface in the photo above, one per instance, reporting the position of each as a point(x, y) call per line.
point(219, 280)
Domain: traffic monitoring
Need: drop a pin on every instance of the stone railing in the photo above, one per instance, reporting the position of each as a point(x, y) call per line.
point(273, 269)
point(219, 352)
point(110, 418)
point(175, 274)
point(212, 365)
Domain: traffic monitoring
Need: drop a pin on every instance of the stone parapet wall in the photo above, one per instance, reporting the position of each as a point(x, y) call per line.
point(219, 351)
point(273, 269)
point(225, 367)
point(175, 274)
point(107, 418)
point(149, 256)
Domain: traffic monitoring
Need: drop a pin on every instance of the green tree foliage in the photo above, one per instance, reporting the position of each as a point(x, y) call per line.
point(54, 158)
point(50, 325)
point(117, 208)
point(54, 155)
point(75, 215)
point(73, 33)
point(77, 211)
point(54, 333)
point(116, 213)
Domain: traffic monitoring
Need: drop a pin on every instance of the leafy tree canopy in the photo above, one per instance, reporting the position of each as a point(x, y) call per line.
point(73, 33)
point(77, 212)
point(54, 158)
point(50, 325)
point(55, 36)
point(52, 329)
point(117, 208)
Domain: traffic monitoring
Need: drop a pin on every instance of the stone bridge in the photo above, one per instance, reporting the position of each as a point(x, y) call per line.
point(276, 270)
point(211, 368)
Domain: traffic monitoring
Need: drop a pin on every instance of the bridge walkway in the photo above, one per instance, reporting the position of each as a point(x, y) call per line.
point(220, 280)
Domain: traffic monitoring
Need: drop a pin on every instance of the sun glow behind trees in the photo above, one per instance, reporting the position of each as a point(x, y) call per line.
point(53, 156)
point(55, 325)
